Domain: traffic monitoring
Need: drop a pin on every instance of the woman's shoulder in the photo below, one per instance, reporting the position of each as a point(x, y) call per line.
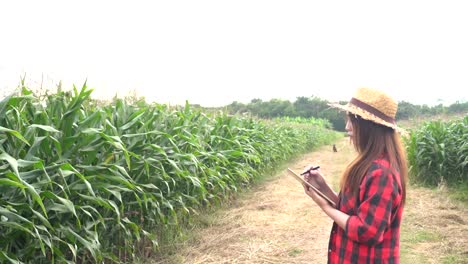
point(381, 162)
point(380, 166)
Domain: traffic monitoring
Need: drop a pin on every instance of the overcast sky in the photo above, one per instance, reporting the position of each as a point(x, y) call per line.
point(216, 52)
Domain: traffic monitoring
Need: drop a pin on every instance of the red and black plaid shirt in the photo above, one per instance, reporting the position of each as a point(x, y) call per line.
point(372, 233)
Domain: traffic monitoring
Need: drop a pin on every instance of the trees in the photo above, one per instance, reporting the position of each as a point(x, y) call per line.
point(305, 107)
point(313, 106)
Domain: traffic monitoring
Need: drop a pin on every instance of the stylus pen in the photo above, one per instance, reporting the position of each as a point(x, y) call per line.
point(311, 169)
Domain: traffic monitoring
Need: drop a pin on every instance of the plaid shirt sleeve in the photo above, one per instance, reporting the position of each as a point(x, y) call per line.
point(378, 191)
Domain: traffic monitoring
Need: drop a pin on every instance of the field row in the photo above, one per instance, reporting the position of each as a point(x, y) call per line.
point(86, 182)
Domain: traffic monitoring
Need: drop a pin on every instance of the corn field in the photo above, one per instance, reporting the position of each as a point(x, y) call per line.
point(311, 121)
point(438, 153)
point(86, 183)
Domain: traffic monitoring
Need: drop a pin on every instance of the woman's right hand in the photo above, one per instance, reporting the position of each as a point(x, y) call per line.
point(315, 178)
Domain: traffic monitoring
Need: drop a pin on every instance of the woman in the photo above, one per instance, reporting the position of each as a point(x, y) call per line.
point(367, 218)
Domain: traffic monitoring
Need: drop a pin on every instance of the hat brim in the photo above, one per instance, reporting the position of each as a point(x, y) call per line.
point(366, 115)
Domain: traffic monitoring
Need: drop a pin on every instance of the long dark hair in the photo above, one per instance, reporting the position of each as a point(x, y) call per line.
point(371, 140)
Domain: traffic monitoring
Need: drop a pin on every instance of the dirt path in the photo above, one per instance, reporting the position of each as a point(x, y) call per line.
point(278, 223)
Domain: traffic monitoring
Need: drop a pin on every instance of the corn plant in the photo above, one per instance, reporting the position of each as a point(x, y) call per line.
point(311, 121)
point(85, 183)
point(438, 152)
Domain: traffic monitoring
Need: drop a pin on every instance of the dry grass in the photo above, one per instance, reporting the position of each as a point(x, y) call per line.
point(435, 228)
point(278, 223)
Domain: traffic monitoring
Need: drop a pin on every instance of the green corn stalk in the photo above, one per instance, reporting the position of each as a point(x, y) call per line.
point(85, 182)
point(438, 152)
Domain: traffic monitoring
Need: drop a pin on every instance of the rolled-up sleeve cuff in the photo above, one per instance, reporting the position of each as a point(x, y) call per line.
point(352, 225)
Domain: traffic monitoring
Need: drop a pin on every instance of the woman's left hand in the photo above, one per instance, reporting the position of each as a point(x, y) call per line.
point(317, 198)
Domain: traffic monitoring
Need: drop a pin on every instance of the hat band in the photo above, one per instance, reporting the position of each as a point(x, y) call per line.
point(372, 110)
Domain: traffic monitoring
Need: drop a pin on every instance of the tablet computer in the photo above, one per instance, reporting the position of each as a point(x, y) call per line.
point(331, 197)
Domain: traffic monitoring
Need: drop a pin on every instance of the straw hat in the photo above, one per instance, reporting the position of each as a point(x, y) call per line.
point(373, 105)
